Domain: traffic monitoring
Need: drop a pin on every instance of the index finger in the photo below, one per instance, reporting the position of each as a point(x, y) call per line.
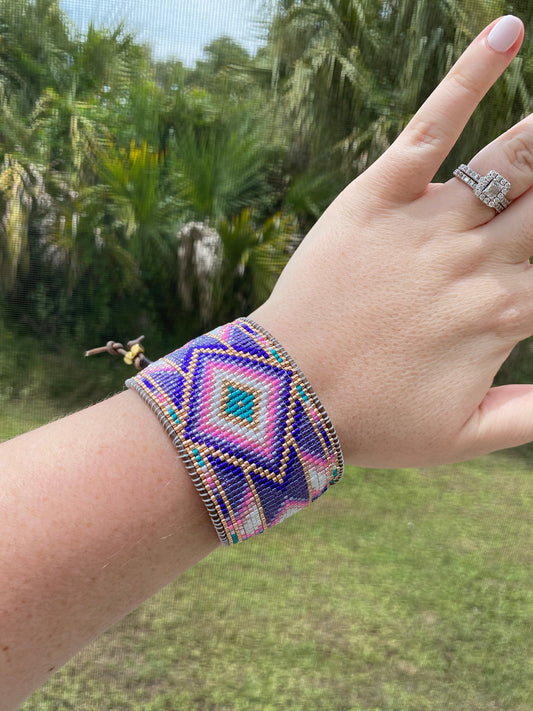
point(408, 166)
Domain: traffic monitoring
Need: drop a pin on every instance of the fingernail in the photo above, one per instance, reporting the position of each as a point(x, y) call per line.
point(505, 33)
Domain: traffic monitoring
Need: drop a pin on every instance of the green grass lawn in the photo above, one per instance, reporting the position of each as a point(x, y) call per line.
point(404, 590)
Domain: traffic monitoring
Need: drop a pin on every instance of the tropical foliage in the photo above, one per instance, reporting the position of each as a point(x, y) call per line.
point(138, 195)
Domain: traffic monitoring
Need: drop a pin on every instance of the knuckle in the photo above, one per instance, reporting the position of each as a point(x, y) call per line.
point(519, 152)
point(511, 316)
point(424, 133)
point(464, 82)
point(501, 307)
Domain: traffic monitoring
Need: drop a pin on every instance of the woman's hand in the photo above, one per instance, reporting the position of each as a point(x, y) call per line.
point(406, 297)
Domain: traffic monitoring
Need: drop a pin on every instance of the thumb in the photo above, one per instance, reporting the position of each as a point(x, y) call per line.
point(504, 419)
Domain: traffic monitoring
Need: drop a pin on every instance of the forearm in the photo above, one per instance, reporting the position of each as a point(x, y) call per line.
point(96, 514)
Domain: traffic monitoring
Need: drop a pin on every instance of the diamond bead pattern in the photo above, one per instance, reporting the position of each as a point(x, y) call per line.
point(253, 434)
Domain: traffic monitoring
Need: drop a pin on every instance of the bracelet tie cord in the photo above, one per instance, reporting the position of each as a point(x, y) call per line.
point(252, 433)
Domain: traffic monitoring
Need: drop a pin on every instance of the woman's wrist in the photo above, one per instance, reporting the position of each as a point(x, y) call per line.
point(318, 364)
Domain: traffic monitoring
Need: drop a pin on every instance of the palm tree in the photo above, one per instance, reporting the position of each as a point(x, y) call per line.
point(225, 173)
point(224, 166)
point(36, 49)
point(253, 256)
point(16, 202)
point(108, 61)
point(58, 243)
point(231, 268)
point(139, 208)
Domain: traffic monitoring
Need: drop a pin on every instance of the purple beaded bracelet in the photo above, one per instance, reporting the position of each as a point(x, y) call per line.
point(254, 437)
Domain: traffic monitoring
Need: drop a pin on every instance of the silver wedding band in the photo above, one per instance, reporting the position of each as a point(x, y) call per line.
point(490, 188)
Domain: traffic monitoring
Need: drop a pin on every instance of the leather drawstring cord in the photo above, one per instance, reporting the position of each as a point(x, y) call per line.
point(133, 356)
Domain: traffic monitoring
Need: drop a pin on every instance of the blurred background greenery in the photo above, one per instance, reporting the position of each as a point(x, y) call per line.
point(144, 196)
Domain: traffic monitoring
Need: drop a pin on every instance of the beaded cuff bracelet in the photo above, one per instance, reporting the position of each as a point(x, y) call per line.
point(254, 437)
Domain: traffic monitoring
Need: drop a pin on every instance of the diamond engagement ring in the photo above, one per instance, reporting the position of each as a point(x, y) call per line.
point(490, 189)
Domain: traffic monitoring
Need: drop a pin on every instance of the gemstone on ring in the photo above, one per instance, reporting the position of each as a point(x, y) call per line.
point(490, 188)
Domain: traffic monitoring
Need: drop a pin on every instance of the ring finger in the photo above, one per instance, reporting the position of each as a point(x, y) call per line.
point(510, 155)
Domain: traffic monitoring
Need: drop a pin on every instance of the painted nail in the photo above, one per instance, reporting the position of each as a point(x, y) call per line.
point(505, 33)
